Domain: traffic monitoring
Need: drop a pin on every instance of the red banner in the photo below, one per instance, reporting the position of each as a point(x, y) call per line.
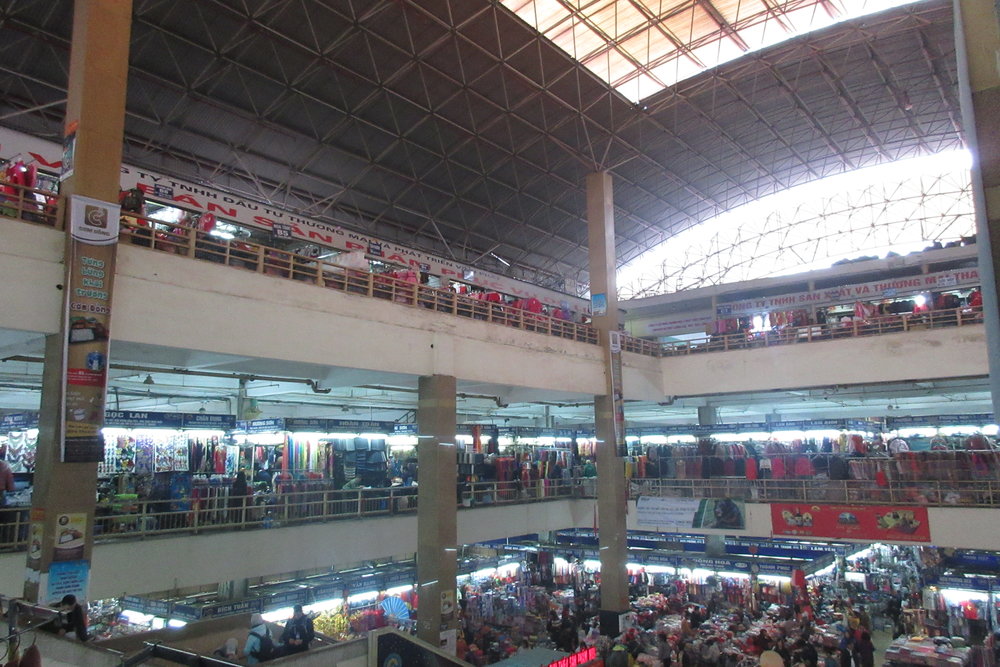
point(853, 522)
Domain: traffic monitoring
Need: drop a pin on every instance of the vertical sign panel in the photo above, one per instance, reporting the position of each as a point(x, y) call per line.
point(90, 269)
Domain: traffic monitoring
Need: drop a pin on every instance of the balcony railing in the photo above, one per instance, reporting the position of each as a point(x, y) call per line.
point(887, 324)
point(45, 208)
point(140, 519)
point(980, 493)
point(193, 516)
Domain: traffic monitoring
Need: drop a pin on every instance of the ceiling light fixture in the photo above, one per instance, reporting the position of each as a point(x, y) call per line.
point(149, 379)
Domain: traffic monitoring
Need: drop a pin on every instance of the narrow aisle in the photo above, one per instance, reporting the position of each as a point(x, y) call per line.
point(881, 639)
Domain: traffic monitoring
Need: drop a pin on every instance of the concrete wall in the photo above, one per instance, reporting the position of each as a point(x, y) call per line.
point(180, 303)
point(950, 526)
point(159, 564)
point(176, 302)
point(914, 355)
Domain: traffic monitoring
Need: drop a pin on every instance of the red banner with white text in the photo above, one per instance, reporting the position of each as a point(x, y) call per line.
point(887, 523)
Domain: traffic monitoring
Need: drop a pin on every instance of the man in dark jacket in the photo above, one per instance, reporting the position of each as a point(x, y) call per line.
point(298, 632)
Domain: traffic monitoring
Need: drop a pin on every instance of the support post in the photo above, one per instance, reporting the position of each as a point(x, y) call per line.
point(76, 362)
point(609, 414)
point(977, 46)
point(437, 509)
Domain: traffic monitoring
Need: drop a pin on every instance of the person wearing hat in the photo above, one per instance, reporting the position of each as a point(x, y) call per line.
point(259, 644)
point(298, 632)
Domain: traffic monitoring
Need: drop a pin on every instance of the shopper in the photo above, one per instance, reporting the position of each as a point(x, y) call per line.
point(238, 497)
point(7, 486)
point(72, 620)
point(259, 645)
point(663, 649)
point(298, 632)
point(229, 649)
point(805, 653)
point(865, 651)
point(619, 656)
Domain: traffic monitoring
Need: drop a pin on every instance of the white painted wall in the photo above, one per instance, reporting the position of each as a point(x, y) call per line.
point(914, 355)
point(158, 564)
point(176, 302)
point(957, 527)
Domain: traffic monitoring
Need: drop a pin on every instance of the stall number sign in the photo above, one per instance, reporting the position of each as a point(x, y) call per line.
point(581, 658)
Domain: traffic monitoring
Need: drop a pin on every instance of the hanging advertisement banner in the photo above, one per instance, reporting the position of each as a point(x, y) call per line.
point(90, 260)
point(873, 291)
point(684, 513)
point(71, 535)
point(67, 578)
point(855, 522)
point(284, 224)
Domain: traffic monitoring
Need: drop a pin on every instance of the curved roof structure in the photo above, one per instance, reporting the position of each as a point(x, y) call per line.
point(455, 127)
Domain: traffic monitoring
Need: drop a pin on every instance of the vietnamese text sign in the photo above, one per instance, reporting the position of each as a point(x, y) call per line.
point(691, 512)
point(872, 291)
point(68, 578)
point(860, 522)
point(90, 270)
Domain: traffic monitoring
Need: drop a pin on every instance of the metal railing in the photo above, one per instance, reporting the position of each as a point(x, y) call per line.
point(981, 493)
point(139, 519)
point(43, 207)
point(876, 326)
point(30, 204)
point(192, 516)
point(279, 263)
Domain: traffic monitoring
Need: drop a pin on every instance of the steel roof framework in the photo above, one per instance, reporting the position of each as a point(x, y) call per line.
point(845, 223)
point(452, 127)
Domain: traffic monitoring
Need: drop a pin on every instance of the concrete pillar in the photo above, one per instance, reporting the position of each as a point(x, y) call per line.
point(608, 409)
point(236, 589)
point(715, 545)
point(708, 415)
point(977, 45)
point(437, 509)
point(64, 493)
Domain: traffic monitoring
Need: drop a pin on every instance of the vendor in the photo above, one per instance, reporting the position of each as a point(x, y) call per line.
point(353, 485)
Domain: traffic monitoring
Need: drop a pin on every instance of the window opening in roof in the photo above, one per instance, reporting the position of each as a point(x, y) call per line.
point(899, 207)
point(640, 47)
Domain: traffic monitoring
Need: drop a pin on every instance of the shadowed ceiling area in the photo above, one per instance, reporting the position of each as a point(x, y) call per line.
point(452, 126)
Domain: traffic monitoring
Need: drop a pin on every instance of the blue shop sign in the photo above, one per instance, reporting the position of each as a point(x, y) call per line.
point(132, 419)
point(364, 584)
point(250, 606)
point(271, 425)
point(300, 425)
point(161, 608)
point(979, 559)
point(984, 584)
point(328, 591)
point(186, 612)
point(287, 599)
point(208, 422)
point(19, 421)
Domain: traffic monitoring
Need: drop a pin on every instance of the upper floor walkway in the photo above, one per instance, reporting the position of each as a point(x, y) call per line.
point(248, 299)
point(177, 239)
point(316, 529)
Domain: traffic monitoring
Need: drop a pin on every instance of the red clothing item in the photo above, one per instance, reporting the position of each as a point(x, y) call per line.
point(6, 477)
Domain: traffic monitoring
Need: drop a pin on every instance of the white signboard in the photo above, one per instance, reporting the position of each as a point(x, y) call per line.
point(661, 511)
point(873, 291)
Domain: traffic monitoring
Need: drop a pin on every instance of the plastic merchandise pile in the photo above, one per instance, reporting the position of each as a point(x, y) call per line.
point(929, 651)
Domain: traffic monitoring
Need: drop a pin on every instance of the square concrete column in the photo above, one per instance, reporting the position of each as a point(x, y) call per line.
point(65, 493)
point(609, 415)
point(437, 508)
point(977, 47)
